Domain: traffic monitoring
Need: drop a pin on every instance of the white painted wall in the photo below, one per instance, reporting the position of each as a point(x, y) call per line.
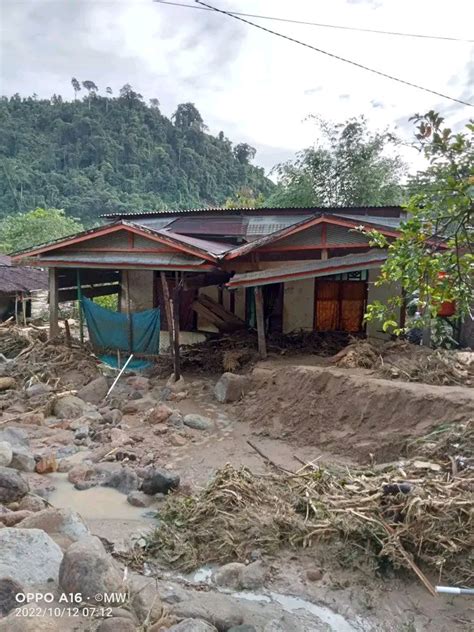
point(383, 293)
point(298, 305)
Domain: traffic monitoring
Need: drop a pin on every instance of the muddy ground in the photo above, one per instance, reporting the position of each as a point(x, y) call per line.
point(294, 414)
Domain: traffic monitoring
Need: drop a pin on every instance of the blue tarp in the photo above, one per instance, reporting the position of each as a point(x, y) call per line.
point(110, 330)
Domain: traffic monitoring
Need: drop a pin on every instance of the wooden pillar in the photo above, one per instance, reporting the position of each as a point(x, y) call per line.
point(79, 307)
point(262, 344)
point(168, 310)
point(128, 307)
point(53, 303)
point(176, 304)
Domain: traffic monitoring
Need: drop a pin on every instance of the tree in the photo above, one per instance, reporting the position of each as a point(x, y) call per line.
point(187, 116)
point(433, 258)
point(244, 152)
point(108, 90)
point(349, 166)
point(35, 227)
point(245, 198)
point(76, 87)
point(90, 86)
point(154, 103)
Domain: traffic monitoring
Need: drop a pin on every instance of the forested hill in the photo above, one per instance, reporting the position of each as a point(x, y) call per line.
point(103, 154)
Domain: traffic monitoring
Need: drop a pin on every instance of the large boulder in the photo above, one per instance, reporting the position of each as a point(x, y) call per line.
point(69, 407)
point(15, 437)
point(124, 480)
point(63, 525)
point(22, 459)
point(87, 569)
point(116, 624)
point(95, 391)
point(12, 485)
point(7, 383)
point(6, 454)
point(14, 623)
point(229, 575)
point(198, 422)
point(11, 518)
point(191, 625)
point(29, 556)
point(220, 610)
point(231, 387)
point(159, 481)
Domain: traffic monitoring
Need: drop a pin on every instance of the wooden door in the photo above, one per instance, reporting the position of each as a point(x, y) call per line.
point(327, 305)
point(352, 305)
point(339, 305)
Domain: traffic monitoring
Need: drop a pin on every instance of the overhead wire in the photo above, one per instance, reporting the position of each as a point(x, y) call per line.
point(334, 55)
point(321, 24)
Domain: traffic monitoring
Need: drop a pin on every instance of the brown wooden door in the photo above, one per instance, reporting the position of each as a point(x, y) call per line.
point(327, 305)
point(352, 305)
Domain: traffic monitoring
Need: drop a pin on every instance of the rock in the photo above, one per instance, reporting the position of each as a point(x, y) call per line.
point(242, 628)
point(46, 464)
point(139, 499)
point(14, 517)
point(145, 600)
point(231, 387)
point(95, 391)
point(253, 576)
point(176, 386)
point(157, 480)
point(8, 589)
point(198, 422)
point(14, 623)
point(31, 503)
point(191, 625)
point(81, 433)
point(159, 414)
point(23, 460)
point(91, 414)
point(69, 407)
point(29, 556)
point(177, 440)
point(314, 574)
point(113, 416)
point(139, 382)
point(220, 610)
point(7, 383)
point(124, 480)
point(81, 473)
point(16, 437)
point(62, 525)
point(229, 575)
point(116, 624)
point(6, 454)
point(38, 389)
point(176, 419)
point(118, 438)
point(138, 405)
point(86, 568)
point(34, 419)
point(12, 485)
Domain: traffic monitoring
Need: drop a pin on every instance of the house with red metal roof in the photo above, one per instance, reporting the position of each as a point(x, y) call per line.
point(271, 268)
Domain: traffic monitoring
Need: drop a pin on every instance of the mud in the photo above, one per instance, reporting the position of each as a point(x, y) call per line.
point(347, 413)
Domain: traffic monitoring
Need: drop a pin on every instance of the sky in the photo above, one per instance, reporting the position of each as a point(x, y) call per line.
point(254, 86)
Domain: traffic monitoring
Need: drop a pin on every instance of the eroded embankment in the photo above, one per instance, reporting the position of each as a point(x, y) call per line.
point(350, 414)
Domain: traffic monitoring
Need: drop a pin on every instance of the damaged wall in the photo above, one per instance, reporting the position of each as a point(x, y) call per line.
point(298, 305)
point(141, 289)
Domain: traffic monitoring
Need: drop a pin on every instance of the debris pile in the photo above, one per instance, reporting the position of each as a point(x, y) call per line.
point(407, 362)
point(417, 511)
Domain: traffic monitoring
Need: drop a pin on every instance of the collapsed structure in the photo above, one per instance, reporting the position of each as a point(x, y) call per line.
point(278, 270)
point(16, 288)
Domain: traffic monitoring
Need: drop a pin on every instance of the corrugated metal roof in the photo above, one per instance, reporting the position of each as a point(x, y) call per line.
point(267, 224)
point(234, 226)
point(122, 259)
point(392, 222)
point(21, 279)
point(212, 247)
point(309, 269)
point(236, 211)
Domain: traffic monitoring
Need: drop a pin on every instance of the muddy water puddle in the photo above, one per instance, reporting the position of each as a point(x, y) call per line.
point(96, 503)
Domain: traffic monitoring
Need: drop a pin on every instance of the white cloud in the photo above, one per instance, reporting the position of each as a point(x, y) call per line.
point(256, 87)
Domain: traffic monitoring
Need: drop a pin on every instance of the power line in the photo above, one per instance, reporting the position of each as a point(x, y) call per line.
point(334, 56)
point(319, 24)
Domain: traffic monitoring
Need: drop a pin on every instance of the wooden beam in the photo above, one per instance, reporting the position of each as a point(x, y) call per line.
point(176, 303)
point(128, 311)
point(168, 310)
point(262, 344)
point(90, 292)
point(53, 303)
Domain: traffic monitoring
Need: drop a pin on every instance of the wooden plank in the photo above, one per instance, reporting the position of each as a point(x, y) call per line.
point(53, 303)
point(128, 311)
point(220, 311)
point(169, 314)
point(210, 316)
point(90, 292)
point(262, 344)
point(176, 358)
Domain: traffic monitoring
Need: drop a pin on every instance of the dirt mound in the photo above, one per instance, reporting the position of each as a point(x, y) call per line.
point(348, 414)
point(401, 360)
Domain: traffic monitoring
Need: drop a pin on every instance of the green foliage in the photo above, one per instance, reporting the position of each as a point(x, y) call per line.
point(35, 227)
point(245, 198)
point(110, 301)
point(433, 258)
point(349, 166)
point(106, 154)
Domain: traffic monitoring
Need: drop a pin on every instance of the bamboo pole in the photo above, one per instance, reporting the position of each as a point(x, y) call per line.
point(79, 307)
point(129, 313)
point(53, 303)
point(168, 310)
point(262, 344)
point(176, 304)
